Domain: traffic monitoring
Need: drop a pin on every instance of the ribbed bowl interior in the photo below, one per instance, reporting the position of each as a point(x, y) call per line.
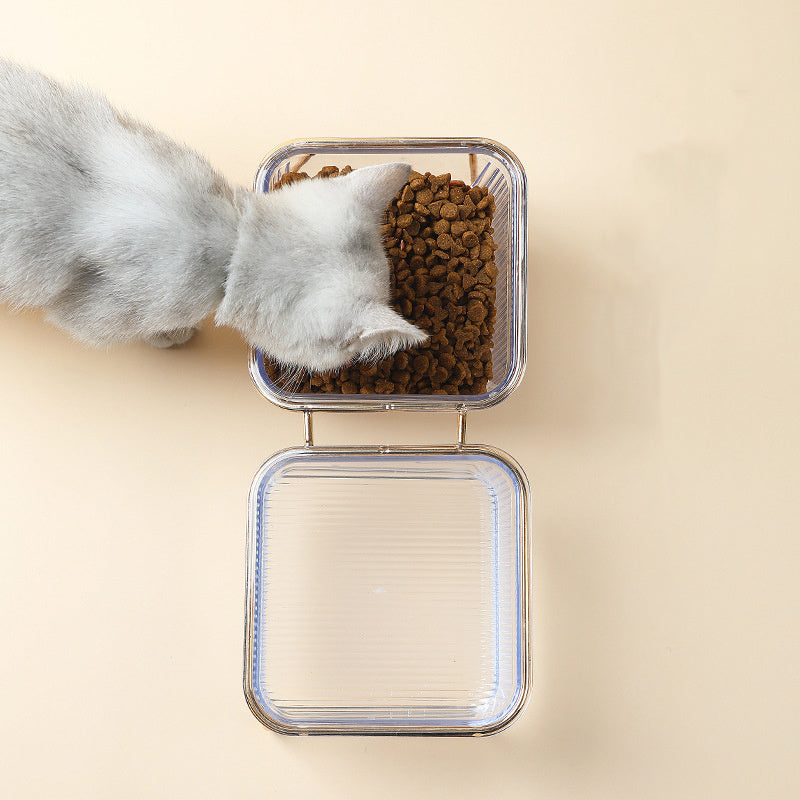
point(387, 591)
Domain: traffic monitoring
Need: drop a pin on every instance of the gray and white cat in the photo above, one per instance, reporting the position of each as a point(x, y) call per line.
point(120, 233)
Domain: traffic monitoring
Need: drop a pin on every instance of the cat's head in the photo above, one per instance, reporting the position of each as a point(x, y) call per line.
point(309, 279)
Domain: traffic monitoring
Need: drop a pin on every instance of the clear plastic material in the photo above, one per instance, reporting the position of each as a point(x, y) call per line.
point(387, 591)
point(475, 161)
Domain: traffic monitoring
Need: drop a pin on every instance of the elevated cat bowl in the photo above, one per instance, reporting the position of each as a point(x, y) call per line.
point(387, 586)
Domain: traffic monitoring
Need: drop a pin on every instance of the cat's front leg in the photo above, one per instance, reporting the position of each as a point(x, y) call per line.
point(172, 338)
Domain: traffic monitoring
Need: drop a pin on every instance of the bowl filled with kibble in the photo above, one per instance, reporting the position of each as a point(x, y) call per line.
point(455, 236)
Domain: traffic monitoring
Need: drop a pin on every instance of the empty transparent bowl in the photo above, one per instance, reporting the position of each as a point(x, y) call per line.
point(387, 591)
point(481, 162)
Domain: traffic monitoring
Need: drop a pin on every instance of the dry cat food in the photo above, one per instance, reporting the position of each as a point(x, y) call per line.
point(438, 235)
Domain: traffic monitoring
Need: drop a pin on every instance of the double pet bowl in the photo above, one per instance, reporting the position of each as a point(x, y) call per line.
point(388, 586)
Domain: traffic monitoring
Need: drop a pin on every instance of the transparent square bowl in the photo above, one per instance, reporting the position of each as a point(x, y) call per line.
point(387, 591)
point(480, 162)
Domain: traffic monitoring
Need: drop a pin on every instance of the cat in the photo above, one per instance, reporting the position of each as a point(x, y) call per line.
point(122, 234)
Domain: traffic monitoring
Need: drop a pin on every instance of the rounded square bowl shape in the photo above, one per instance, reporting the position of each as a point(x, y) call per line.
point(479, 162)
point(388, 591)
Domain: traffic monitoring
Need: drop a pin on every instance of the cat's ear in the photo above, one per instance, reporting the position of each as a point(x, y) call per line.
point(375, 186)
point(381, 331)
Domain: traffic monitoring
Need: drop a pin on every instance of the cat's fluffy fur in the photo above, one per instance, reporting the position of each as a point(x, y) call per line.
point(121, 233)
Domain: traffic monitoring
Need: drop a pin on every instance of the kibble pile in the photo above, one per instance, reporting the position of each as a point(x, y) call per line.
point(438, 235)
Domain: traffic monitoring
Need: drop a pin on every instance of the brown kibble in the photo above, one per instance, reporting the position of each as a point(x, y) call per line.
point(404, 220)
point(473, 265)
point(440, 375)
point(449, 211)
point(349, 387)
point(444, 241)
point(447, 360)
point(435, 208)
point(440, 337)
point(475, 194)
point(469, 239)
point(457, 228)
point(424, 196)
point(420, 363)
point(441, 226)
point(438, 181)
point(476, 311)
point(452, 292)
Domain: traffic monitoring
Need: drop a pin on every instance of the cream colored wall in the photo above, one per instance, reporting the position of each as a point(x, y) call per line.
point(657, 421)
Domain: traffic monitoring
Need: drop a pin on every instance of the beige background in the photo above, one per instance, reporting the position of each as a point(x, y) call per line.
point(657, 421)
